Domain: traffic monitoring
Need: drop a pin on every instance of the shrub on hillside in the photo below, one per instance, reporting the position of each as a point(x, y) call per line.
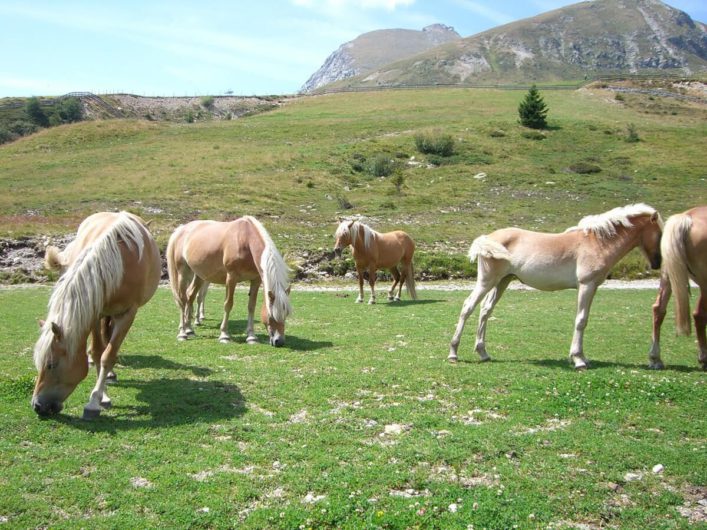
point(434, 143)
point(6, 136)
point(35, 113)
point(381, 165)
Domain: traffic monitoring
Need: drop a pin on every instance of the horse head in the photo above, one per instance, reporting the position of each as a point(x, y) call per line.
point(650, 239)
point(274, 320)
point(59, 370)
point(343, 237)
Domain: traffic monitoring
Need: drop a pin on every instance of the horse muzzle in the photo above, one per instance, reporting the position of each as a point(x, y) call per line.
point(656, 262)
point(337, 252)
point(46, 408)
point(278, 341)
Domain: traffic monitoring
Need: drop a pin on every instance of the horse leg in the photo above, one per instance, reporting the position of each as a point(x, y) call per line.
point(107, 332)
point(225, 337)
point(252, 300)
point(487, 305)
point(192, 294)
point(700, 316)
point(359, 271)
point(372, 283)
point(185, 278)
point(396, 281)
point(659, 310)
point(99, 340)
point(200, 302)
point(584, 303)
point(479, 291)
point(119, 329)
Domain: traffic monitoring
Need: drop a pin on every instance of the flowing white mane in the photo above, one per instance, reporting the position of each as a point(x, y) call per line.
point(604, 225)
point(354, 230)
point(275, 277)
point(79, 295)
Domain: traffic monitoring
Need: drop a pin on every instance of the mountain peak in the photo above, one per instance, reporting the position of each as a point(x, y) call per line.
point(586, 39)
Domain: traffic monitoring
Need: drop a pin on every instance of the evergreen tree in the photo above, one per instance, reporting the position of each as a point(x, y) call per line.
point(532, 110)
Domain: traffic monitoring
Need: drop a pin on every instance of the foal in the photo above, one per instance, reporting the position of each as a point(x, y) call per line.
point(581, 258)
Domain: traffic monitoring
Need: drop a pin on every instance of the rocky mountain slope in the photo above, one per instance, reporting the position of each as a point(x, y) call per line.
point(579, 41)
point(375, 49)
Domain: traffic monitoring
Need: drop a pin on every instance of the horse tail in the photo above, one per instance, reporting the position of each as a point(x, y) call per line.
point(672, 247)
point(410, 281)
point(171, 256)
point(54, 259)
point(485, 247)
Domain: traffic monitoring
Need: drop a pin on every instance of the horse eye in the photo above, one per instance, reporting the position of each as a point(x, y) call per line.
point(51, 365)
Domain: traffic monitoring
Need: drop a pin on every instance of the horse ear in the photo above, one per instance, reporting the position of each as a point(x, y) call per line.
point(271, 296)
point(351, 223)
point(41, 323)
point(287, 291)
point(655, 217)
point(56, 330)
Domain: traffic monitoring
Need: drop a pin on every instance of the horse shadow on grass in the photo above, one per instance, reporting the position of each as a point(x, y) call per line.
point(594, 364)
point(163, 402)
point(566, 364)
point(407, 302)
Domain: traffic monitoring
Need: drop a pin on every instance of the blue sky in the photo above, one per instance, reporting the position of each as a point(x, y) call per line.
point(179, 48)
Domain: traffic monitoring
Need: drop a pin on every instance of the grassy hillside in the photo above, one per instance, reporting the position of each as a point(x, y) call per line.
point(296, 167)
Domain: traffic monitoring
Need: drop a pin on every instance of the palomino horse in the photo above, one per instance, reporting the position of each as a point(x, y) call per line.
point(684, 249)
point(581, 258)
point(372, 251)
point(227, 253)
point(113, 267)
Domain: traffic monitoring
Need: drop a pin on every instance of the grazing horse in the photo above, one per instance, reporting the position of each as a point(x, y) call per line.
point(684, 249)
point(580, 258)
point(112, 268)
point(372, 251)
point(227, 253)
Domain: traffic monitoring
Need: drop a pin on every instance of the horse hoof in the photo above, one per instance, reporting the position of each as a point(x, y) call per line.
point(191, 333)
point(371, 302)
point(396, 299)
point(486, 359)
point(359, 301)
point(111, 377)
point(656, 366)
point(182, 338)
point(105, 404)
point(452, 360)
point(251, 340)
point(91, 414)
point(581, 368)
point(224, 340)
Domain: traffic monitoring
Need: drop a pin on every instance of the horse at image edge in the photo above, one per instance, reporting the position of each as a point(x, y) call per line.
point(581, 258)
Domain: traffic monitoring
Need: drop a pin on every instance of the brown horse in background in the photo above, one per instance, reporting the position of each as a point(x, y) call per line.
point(111, 269)
point(227, 253)
point(684, 249)
point(581, 258)
point(373, 250)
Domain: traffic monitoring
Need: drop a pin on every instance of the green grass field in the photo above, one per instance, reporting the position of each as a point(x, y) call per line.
point(297, 168)
point(358, 422)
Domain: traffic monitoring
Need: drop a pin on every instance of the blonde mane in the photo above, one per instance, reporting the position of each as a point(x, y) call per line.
point(604, 225)
point(275, 275)
point(355, 230)
point(79, 295)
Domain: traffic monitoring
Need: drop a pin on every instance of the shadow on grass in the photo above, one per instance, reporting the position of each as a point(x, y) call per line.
point(137, 362)
point(565, 364)
point(406, 303)
point(165, 403)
